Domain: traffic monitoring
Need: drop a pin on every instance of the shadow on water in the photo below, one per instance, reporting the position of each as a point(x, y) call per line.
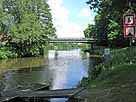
point(23, 71)
point(63, 69)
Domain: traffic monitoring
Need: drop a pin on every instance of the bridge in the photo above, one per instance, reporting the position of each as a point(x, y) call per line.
point(72, 40)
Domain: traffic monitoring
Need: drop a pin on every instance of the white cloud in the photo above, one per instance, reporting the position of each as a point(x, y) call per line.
point(61, 21)
point(85, 12)
point(58, 11)
point(91, 18)
point(70, 30)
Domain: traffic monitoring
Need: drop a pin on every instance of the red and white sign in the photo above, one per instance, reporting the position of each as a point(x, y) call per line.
point(129, 19)
point(129, 26)
point(129, 31)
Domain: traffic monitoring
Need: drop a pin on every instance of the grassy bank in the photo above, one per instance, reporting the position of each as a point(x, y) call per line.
point(114, 81)
point(120, 75)
point(117, 57)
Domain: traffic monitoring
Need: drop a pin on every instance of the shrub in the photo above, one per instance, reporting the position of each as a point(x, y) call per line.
point(117, 57)
point(4, 53)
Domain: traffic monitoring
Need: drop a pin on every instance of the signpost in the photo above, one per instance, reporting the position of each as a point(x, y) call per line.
point(129, 26)
point(107, 55)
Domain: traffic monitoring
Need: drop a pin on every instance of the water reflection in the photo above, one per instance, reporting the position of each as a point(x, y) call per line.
point(67, 69)
point(64, 69)
point(25, 77)
point(18, 63)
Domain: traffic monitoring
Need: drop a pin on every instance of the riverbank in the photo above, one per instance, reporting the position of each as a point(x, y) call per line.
point(115, 81)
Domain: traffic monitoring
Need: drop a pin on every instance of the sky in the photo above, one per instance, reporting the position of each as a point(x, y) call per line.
point(70, 17)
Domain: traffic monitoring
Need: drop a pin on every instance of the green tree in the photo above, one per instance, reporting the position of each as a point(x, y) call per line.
point(113, 30)
point(89, 32)
point(4, 19)
point(109, 18)
point(101, 28)
point(30, 25)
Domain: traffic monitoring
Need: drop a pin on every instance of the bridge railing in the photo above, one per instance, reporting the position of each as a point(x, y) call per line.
point(72, 40)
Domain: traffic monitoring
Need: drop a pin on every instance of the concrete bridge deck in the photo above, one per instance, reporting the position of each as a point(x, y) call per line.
point(72, 40)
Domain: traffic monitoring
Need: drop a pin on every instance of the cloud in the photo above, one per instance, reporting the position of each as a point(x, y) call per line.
point(70, 30)
point(61, 20)
point(59, 12)
point(87, 13)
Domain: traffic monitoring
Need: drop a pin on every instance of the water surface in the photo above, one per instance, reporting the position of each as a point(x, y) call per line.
point(63, 69)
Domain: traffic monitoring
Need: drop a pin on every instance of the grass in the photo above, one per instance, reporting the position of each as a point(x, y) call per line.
point(118, 76)
point(125, 57)
point(117, 85)
point(117, 57)
point(114, 81)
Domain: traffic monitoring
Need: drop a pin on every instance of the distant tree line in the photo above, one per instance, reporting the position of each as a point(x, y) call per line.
point(27, 25)
point(108, 27)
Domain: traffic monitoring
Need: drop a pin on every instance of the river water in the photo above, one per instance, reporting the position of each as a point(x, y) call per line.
point(63, 69)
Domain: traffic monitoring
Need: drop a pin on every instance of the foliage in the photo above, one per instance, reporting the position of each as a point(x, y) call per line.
point(89, 32)
point(122, 62)
point(29, 25)
point(4, 18)
point(84, 47)
point(118, 57)
point(62, 46)
point(121, 75)
point(5, 53)
point(109, 19)
point(113, 30)
point(101, 28)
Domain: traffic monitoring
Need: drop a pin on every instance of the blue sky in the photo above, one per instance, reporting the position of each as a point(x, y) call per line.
point(71, 17)
point(75, 7)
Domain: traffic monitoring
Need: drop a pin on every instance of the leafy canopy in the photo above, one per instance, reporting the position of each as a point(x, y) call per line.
point(28, 23)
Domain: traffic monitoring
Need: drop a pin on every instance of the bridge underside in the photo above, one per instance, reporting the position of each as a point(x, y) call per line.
point(72, 40)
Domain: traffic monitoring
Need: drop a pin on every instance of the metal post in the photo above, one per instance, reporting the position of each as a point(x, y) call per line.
point(130, 42)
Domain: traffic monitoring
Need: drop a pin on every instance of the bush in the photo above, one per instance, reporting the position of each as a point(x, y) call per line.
point(117, 57)
point(4, 53)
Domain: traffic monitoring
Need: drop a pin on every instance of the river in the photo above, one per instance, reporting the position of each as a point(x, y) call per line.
point(63, 69)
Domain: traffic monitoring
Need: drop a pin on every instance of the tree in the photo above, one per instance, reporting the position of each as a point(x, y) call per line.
point(89, 32)
point(109, 18)
point(30, 25)
point(4, 19)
